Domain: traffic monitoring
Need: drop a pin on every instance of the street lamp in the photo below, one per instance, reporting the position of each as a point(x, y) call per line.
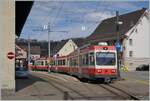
point(29, 56)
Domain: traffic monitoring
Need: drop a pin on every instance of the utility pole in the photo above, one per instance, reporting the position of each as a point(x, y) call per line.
point(49, 54)
point(29, 53)
point(48, 27)
point(118, 41)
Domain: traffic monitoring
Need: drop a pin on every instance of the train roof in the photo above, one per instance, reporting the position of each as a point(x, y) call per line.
point(92, 48)
point(88, 48)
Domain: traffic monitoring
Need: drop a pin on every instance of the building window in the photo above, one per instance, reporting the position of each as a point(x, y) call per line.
point(131, 64)
point(130, 53)
point(136, 30)
point(140, 22)
point(130, 42)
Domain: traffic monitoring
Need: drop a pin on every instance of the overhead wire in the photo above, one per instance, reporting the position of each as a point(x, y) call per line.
point(58, 13)
point(47, 18)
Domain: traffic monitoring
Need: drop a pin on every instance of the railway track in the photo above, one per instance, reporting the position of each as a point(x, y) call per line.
point(67, 90)
point(119, 92)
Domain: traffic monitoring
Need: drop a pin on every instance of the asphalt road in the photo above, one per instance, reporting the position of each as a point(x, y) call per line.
point(54, 86)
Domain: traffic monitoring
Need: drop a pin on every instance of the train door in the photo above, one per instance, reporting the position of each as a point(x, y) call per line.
point(83, 65)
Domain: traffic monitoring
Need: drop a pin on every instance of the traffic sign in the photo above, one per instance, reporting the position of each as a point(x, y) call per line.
point(10, 55)
point(118, 46)
point(49, 61)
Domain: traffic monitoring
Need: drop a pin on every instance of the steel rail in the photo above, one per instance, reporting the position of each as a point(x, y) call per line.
point(125, 92)
point(111, 87)
point(47, 78)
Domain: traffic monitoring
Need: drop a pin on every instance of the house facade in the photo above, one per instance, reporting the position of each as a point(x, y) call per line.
point(67, 48)
point(21, 57)
point(134, 37)
point(137, 43)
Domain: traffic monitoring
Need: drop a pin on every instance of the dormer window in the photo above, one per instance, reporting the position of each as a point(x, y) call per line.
point(131, 24)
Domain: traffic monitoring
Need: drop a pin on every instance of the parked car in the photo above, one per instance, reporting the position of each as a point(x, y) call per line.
point(21, 72)
point(143, 68)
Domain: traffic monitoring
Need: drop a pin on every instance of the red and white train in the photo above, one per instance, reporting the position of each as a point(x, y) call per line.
point(40, 64)
point(90, 62)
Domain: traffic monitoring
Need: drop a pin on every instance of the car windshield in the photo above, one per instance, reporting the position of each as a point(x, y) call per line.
point(21, 69)
point(105, 58)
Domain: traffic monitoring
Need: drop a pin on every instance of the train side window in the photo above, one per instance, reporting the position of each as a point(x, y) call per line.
point(59, 62)
point(53, 63)
point(46, 63)
point(56, 62)
point(70, 62)
point(84, 60)
point(75, 61)
point(91, 59)
point(42, 63)
point(80, 60)
point(63, 62)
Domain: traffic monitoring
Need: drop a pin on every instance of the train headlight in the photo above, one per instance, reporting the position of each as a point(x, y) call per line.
point(99, 70)
point(113, 70)
point(105, 48)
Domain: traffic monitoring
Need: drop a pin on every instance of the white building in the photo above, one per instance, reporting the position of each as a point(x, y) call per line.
point(134, 36)
point(137, 42)
point(66, 47)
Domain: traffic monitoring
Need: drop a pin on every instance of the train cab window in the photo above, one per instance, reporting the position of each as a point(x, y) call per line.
point(105, 58)
point(91, 59)
point(39, 63)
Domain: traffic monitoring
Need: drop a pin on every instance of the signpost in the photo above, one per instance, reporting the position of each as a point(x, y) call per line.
point(10, 55)
point(118, 46)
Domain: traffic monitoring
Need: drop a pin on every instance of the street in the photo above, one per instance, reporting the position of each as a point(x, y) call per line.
point(55, 86)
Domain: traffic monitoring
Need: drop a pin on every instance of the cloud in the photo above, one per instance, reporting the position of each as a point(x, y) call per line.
point(98, 16)
point(72, 17)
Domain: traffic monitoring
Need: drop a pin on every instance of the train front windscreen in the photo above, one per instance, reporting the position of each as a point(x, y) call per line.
point(105, 58)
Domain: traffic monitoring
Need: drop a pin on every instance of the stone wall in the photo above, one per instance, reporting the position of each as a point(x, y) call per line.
point(132, 63)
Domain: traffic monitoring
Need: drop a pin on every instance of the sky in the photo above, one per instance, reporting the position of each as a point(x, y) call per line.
point(73, 19)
